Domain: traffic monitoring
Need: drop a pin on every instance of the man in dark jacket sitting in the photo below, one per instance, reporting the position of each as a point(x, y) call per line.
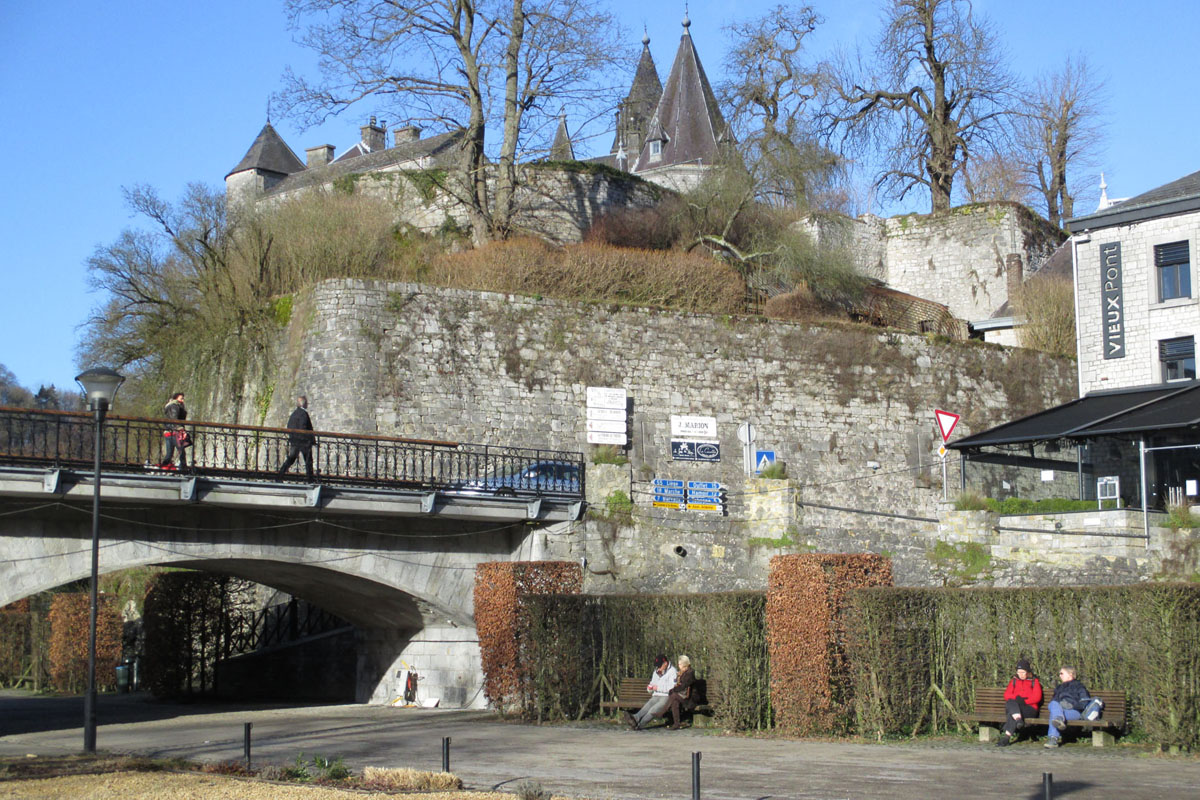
point(1071, 701)
point(300, 438)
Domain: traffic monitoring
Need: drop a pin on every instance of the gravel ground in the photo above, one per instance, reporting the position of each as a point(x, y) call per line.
point(192, 786)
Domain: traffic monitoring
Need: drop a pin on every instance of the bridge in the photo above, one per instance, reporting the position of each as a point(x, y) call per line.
point(386, 536)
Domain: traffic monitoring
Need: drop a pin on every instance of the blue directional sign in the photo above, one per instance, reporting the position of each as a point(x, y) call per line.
point(704, 495)
point(704, 485)
point(668, 498)
point(667, 482)
point(671, 490)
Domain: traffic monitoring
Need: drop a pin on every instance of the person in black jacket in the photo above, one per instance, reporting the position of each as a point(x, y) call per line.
point(300, 438)
point(1071, 701)
point(683, 696)
point(175, 436)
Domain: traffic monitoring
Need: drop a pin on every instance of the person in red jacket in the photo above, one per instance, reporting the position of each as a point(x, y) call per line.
point(1022, 698)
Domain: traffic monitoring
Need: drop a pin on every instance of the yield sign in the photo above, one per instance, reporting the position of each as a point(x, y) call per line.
point(946, 422)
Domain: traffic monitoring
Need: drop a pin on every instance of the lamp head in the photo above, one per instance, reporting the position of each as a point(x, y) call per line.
point(100, 386)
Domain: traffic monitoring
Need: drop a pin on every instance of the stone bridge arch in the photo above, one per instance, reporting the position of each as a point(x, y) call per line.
point(405, 583)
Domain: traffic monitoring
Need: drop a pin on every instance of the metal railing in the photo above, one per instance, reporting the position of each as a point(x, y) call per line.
point(59, 439)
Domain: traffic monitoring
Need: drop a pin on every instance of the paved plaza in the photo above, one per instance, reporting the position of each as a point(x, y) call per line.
point(595, 760)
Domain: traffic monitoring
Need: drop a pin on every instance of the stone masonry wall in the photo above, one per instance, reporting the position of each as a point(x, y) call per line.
point(849, 411)
point(1145, 320)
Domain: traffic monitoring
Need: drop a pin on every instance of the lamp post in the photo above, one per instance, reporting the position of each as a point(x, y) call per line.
point(100, 386)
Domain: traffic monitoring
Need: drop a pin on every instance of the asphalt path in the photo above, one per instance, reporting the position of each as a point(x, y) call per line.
point(594, 759)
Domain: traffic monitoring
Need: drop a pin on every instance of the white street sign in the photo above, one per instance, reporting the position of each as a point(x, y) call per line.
point(606, 413)
point(689, 427)
point(606, 425)
point(605, 397)
point(746, 433)
point(602, 437)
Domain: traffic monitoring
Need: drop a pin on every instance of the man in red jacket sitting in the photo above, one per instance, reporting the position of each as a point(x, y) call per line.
point(1022, 698)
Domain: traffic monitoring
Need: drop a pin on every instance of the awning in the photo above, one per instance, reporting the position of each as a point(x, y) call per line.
point(1139, 410)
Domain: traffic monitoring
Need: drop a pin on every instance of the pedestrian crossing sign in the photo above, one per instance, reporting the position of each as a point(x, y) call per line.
point(763, 459)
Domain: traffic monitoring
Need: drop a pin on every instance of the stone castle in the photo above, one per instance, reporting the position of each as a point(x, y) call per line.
point(950, 273)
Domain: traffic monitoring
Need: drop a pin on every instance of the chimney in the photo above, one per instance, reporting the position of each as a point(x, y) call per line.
point(319, 156)
point(409, 133)
point(374, 136)
point(1015, 273)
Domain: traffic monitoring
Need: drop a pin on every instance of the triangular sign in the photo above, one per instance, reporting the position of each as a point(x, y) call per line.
point(764, 462)
point(946, 422)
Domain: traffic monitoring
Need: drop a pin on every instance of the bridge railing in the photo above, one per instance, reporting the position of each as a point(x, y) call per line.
point(135, 444)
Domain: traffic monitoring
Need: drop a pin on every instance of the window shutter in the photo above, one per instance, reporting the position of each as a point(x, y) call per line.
point(1171, 349)
point(1168, 254)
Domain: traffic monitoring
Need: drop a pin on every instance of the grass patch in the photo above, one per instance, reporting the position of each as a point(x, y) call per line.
point(609, 454)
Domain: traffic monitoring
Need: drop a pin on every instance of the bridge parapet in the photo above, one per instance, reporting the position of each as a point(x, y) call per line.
point(65, 440)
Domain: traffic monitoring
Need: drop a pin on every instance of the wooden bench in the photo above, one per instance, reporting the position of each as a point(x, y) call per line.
point(989, 713)
point(631, 695)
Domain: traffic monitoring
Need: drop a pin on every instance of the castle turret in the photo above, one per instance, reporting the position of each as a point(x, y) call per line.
point(635, 110)
point(562, 149)
point(268, 161)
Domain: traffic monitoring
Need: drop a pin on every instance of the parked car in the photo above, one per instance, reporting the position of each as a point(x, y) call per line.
point(542, 477)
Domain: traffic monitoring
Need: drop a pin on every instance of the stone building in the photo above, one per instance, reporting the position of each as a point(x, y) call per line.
point(1135, 430)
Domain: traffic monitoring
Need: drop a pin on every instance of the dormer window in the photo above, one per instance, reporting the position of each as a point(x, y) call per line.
point(656, 148)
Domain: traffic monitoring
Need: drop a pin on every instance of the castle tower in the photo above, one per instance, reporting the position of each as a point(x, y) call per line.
point(634, 112)
point(268, 161)
point(562, 149)
point(687, 131)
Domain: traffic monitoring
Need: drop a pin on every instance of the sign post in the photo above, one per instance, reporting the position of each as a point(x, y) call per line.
point(946, 420)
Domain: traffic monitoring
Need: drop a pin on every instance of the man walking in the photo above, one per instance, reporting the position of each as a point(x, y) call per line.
point(300, 438)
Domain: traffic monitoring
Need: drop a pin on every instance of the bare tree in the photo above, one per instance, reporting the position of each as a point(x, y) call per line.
point(996, 175)
point(452, 63)
point(768, 99)
point(1061, 129)
point(938, 91)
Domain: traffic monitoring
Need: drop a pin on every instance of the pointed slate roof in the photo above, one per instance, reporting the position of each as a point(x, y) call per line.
point(269, 153)
point(562, 150)
point(688, 120)
point(638, 106)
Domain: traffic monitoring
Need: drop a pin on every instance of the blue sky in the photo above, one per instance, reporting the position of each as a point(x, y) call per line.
point(98, 96)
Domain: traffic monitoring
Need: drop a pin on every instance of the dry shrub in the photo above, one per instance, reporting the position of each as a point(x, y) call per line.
point(799, 304)
point(594, 272)
point(405, 779)
point(500, 589)
point(806, 594)
point(656, 228)
point(1048, 306)
point(69, 615)
point(323, 235)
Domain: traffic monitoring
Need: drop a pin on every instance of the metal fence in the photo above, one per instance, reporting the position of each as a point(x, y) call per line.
point(131, 444)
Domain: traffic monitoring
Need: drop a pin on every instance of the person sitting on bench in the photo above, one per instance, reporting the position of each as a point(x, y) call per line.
point(683, 696)
point(1022, 698)
point(662, 681)
point(1071, 701)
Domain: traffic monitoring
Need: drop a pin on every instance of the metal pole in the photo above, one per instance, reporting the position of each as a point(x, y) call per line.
point(246, 741)
point(445, 754)
point(89, 699)
point(1047, 786)
point(1145, 500)
point(695, 776)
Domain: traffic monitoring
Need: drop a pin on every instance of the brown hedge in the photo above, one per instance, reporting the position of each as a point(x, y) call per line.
point(920, 654)
point(69, 616)
point(806, 593)
point(500, 590)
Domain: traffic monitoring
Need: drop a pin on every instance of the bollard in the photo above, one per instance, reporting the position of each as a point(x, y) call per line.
point(445, 754)
point(695, 776)
point(1047, 785)
point(246, 742)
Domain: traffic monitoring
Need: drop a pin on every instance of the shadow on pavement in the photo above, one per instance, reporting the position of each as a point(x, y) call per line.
point(25, 712)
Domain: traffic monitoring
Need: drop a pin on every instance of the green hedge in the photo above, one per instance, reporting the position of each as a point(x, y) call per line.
point(919, 654)
point(576, 648)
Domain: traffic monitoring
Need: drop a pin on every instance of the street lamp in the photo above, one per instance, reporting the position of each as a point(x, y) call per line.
point(100, 386)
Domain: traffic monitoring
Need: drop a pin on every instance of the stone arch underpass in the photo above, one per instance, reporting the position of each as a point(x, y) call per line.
point(405, 583)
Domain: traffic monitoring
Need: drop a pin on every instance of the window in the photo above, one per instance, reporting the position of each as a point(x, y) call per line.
point(655, 148)
point(1174, 270)
point(1178, 358)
